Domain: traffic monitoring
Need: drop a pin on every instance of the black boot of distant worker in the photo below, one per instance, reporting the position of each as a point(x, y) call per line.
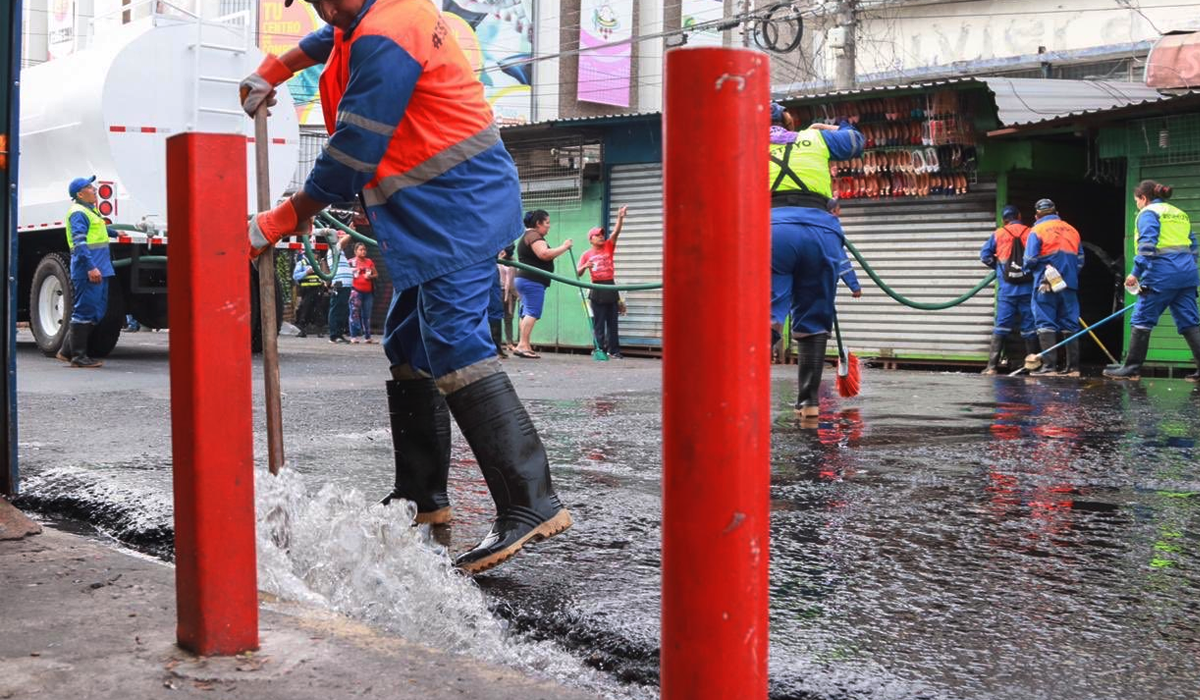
point(1071, 353)
point(1139, 343)
point(79, 342)
point(1192, 336)
point(1032, 346)
point(1049, 367)
point(810, 360)
point(64, 350)
point(994, 355)
point(514, 465)
point(421, 445)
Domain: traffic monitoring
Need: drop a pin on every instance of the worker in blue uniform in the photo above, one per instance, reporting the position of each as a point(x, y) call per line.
point(1015, 297)
point(1165, 270)
point(1054, 255)
point(411, 131)
point(91, 267)
point(808, 252)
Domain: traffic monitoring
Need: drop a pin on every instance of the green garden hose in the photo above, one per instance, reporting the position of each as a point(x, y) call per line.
point(327, 218)
point(991, 277)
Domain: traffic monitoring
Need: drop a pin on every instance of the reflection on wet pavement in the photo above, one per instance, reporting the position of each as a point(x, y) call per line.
point(940, 536)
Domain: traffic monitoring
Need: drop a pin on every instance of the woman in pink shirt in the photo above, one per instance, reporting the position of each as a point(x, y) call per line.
point(599, 261)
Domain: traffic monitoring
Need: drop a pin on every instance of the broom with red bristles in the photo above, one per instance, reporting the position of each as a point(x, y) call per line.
point(849, 371)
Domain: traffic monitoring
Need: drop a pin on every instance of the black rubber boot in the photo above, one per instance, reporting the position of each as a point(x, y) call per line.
point(515, 466)
point(64, 351)
point(1032, 346)
point(1139, 343)
point(79, 343)
point(994, 355)
point(497, 339)
point(1047, 339)
point(810, 361)
point(1071, 355)
point(1192, 336)
point(421, 445)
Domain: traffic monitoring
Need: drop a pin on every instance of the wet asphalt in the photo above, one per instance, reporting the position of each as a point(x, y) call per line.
point(943, 535)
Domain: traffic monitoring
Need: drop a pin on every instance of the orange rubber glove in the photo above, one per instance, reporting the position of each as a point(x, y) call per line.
point(269, 226)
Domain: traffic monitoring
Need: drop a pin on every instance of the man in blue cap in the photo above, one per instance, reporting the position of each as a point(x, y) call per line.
point(91, 266)
point(1004, 251)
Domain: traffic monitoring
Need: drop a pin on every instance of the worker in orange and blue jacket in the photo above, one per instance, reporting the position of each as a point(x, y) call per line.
point(411, 131)
point(1014, 299)
point(1054, 242)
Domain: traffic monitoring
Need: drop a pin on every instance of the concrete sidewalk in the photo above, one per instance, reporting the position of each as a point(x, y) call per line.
point(83, 620)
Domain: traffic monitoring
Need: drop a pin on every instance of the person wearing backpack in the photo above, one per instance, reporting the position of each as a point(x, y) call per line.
point(1004, 251)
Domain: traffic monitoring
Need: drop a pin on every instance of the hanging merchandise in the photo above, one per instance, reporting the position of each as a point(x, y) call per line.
point(916, 146)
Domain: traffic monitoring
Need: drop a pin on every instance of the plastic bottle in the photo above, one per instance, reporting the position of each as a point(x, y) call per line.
point(1054, 279)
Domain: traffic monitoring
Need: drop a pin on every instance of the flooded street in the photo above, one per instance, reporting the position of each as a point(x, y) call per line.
point(942, 536)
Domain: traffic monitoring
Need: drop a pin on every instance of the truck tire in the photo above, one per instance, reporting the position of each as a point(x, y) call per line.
point(105, 335)
point(256, 338)
point(50, 302)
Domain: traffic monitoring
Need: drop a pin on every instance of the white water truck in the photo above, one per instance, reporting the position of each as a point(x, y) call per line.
point(108, 111)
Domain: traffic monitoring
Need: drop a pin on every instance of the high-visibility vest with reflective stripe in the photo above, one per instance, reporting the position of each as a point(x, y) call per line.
point(1056, 236)
point(1174, 227)
point(97, 233)
point(802, 166)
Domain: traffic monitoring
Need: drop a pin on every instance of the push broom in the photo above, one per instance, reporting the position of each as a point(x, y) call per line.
point(849, 371)
point(1034, 361)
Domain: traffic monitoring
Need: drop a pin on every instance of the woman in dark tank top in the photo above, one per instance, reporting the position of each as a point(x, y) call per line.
point(533, 250)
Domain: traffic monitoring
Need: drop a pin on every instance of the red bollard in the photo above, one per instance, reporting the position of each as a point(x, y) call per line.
point(716, 375)
point(212, 436)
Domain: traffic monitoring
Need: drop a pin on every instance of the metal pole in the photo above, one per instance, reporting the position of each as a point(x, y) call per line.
point(212, 429)
point(266, 300)
point(844, 76)
point(716, 403)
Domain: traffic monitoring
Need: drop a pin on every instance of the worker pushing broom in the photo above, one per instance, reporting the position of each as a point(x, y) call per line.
point(808, 248)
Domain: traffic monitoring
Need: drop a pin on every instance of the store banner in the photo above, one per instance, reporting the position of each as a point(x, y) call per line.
point(700, 11)
point(496, 35)
point(280, 29)
point(604, 68)
point(60, 29)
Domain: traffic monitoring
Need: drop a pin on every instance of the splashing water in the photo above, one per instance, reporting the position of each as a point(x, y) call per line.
point(339, 550)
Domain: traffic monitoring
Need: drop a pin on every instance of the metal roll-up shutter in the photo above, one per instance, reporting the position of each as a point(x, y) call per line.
point(1166, 345)
point(639, 256)
point(926, 250)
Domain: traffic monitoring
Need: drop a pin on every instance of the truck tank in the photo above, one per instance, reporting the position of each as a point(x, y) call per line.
point(109, 109)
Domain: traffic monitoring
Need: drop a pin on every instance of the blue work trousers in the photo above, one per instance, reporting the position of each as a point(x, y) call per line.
point(1056, 311)
point(1010, 309)
point(90, 300)
point(1153, 302)
point(804, 261)
point(441, 326)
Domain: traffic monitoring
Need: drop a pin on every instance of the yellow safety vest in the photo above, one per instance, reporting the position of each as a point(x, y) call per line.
point(802, 166)
point(97, 234)
point(1174, 228)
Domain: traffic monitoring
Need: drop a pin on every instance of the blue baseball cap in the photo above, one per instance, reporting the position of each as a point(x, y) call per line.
point(777, 111)
point(78, 184)
point(1010, 212)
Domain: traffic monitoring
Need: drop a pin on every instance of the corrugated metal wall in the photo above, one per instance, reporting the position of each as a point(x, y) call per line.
point(926, 250)
point(639, 254)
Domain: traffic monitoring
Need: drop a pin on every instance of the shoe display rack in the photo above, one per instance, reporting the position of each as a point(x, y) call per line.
point(916, 146)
